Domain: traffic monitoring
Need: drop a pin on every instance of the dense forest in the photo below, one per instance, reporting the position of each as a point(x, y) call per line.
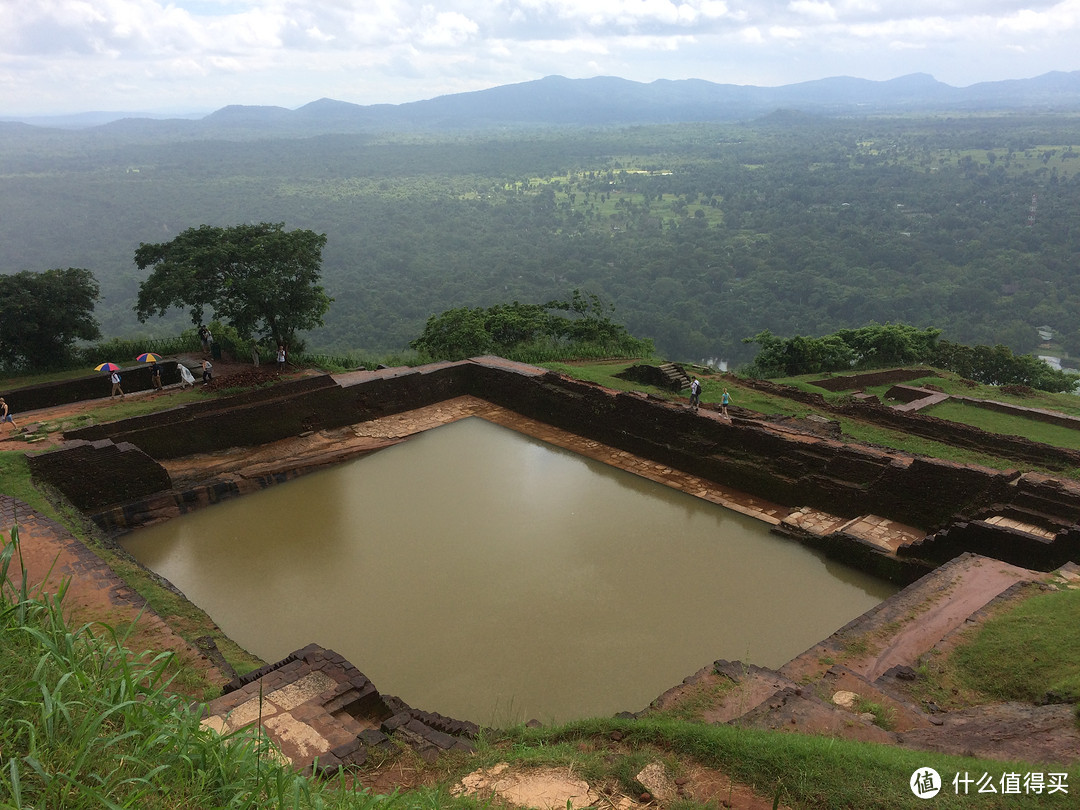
point(698, 235)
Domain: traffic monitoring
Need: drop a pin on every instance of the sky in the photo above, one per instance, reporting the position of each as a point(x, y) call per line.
point(188, 56)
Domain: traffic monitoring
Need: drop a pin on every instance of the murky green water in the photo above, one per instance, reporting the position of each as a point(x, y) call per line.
point(489, 576)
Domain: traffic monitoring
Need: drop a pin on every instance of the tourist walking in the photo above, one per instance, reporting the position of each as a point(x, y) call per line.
point(185, 376)
point(206, 339)
point(207, 371)
point(114, 378)
point(155, 376)
point(281, 358)
point(695, 394)
point(725, 400)
point(5, 415)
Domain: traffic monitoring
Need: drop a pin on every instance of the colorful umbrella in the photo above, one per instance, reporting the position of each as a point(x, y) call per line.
point(107, 367)
point(148, 357)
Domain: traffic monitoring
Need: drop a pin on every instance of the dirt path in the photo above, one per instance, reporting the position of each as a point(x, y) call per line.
point(54, 559)
point(226, 372)
point(977, 582)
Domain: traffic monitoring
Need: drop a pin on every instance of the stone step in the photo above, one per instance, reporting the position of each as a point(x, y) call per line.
point(899, 712)
point(918, 404)
point(1019, 526)
point(678, 378)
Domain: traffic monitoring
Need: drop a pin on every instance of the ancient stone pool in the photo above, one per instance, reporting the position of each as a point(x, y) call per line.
point(489, 576)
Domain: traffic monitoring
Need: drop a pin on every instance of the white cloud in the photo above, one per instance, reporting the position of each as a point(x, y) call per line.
point(814, 9)
point(785, 33)
point(622, 13)
point(58, 55)
point(445, 29)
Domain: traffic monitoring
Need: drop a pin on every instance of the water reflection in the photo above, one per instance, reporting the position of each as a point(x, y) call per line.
point(489, 576)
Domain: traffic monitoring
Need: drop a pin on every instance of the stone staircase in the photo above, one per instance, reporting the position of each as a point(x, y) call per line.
point(677, 379)
point(323, 714)
point(855, 684)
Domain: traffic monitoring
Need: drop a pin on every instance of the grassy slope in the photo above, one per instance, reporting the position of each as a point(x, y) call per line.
point(49, 741)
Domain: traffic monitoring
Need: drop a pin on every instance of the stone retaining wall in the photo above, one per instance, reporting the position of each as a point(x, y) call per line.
point(960, 435)
point(316, 403)
point(93, 475)
point(1038, 414)
point(1001, 543)
point(769, 461)
point(856, 382)
point(176, 419)
point(930, 427)
point(751, 456)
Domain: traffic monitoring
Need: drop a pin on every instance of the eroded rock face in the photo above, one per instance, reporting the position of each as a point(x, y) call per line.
point(1012, 731)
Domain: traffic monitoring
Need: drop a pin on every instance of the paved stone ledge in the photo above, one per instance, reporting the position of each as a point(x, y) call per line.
point(323, 714)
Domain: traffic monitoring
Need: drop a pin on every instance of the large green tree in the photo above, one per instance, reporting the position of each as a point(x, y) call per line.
point(260, 279)
point(507, 329)
point(43, 314)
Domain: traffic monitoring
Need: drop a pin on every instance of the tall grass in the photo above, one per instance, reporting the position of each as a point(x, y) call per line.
point(86, 723)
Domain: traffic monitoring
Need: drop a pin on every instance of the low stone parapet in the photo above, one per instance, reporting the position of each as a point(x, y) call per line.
point(323, 714)
point(856, 382)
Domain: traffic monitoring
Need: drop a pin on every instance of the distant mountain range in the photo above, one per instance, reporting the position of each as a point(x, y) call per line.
point(601, 101)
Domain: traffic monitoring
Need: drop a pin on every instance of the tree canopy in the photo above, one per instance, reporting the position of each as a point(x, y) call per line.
point(513, 330)
point(43, 314)
point(260, 279)
point(895, 344)
point(699, 235)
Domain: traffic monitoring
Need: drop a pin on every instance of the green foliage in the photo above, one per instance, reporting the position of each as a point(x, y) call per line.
point(997, 365)
point(870, 346)
point(877, 346)
point(884, 716)
point(529, 332)
point(698, 234)
point(261, 279)
point(455, 334)
point(43, 314)
point(123, 351)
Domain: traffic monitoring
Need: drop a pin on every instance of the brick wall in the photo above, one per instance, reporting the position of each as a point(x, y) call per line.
point(93, 475)
point(856, 382)
point(747, 455)
point(1038, 414)
point(930, 427)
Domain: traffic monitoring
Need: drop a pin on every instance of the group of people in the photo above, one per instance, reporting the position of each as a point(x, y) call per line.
point(186, 378)
point(155, 380)
point(695, 398)
point(206, 338)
